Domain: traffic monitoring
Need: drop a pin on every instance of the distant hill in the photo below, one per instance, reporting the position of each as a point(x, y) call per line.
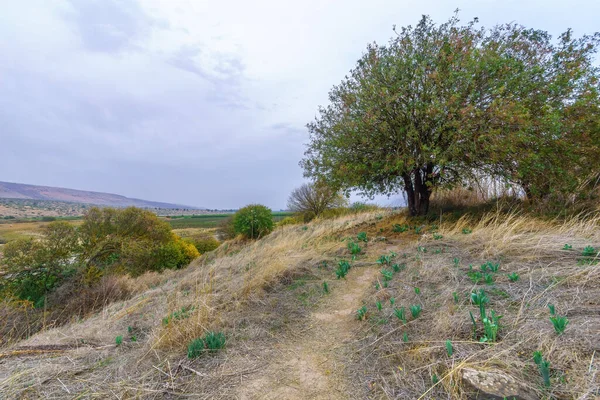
point(21, 191)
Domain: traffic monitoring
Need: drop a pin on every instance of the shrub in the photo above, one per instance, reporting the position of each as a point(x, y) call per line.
point(195, 348)
point(589, 251)
point(253, 221)
point(214, 341)
point(359, 206)
point(288, 221)
point(204, 244)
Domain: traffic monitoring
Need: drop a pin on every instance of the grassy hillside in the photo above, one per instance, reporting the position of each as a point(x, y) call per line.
point(288, 337)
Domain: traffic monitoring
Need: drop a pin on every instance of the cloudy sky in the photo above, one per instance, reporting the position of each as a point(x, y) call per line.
point(196, 102)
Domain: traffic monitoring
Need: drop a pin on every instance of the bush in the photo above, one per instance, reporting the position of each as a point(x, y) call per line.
point(288, 221)
point(195, 348)
point(204, 244)
point(226, 230)
point(48, 219)
point(253, 221)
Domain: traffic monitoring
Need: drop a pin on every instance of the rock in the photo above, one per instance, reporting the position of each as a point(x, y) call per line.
point(496, 385)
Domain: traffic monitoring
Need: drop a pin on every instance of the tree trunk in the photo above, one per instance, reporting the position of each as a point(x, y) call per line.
point(418, 192)
point(410, 194)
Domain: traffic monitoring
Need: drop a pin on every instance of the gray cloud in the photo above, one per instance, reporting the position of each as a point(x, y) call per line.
point(108, 25)
point(194, 103)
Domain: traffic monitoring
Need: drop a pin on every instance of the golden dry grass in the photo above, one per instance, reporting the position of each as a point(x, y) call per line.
point(533, 249)
point(266, 297)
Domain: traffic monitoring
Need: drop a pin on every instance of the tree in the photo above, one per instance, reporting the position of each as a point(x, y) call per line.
point(253, 221)
point(34, 267)
point(131, 240)
point(311, 199)
point(441, 102)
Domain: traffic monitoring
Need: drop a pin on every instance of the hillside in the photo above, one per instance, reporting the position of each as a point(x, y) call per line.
point(47, 193)
point(290, 338)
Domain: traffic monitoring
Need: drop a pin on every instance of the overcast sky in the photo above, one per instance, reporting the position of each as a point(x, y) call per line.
point(196, 102)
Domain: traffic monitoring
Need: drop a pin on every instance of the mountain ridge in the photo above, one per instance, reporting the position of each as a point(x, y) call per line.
point(12, 190)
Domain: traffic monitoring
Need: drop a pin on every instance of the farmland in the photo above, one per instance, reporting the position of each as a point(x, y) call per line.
point(211, 220)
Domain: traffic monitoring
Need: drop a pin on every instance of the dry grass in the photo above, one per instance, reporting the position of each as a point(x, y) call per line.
point(239, 288)
point(263, 295)
point(533, 249)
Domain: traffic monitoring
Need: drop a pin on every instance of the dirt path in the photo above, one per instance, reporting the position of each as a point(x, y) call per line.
point(309, 365)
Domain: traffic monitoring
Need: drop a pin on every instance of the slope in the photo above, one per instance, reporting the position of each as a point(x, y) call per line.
point(287, 338)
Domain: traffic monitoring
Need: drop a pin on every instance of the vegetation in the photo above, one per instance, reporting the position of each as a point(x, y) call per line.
point(449, 348)
point(452, 100)
point(559, 323)
point(438, 108)
point(361, 313)
point(311, 200)
point(415, 310)
point(73, 269)
point(253, 221)
point(343, 268)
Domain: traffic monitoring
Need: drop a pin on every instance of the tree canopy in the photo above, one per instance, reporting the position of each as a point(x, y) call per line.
point(312, 199)
point(440, 103)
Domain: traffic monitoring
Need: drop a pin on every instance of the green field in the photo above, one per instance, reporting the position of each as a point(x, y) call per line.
point(211, 220)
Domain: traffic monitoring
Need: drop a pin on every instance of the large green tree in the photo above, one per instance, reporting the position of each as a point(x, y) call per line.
point(441, 102)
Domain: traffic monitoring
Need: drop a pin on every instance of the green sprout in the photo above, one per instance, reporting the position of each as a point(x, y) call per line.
point(378, 305)
point(214, 341)
point(399, 313)
point(449, 348)
point(343, 268)
point(400, 228)
point(455, 296)
point(362, 237)
point(467, 231)
point(589, 251)
point(354, 248)
point(567, 247)
point(387, 274)
point(415, 310)
point(475, 276)
point(417, 290)
point(361, 313)
point(559, 323)
point(480, 297)
point(513, 277)
point(325, 287)
point(195, 348)
point(119, 340)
